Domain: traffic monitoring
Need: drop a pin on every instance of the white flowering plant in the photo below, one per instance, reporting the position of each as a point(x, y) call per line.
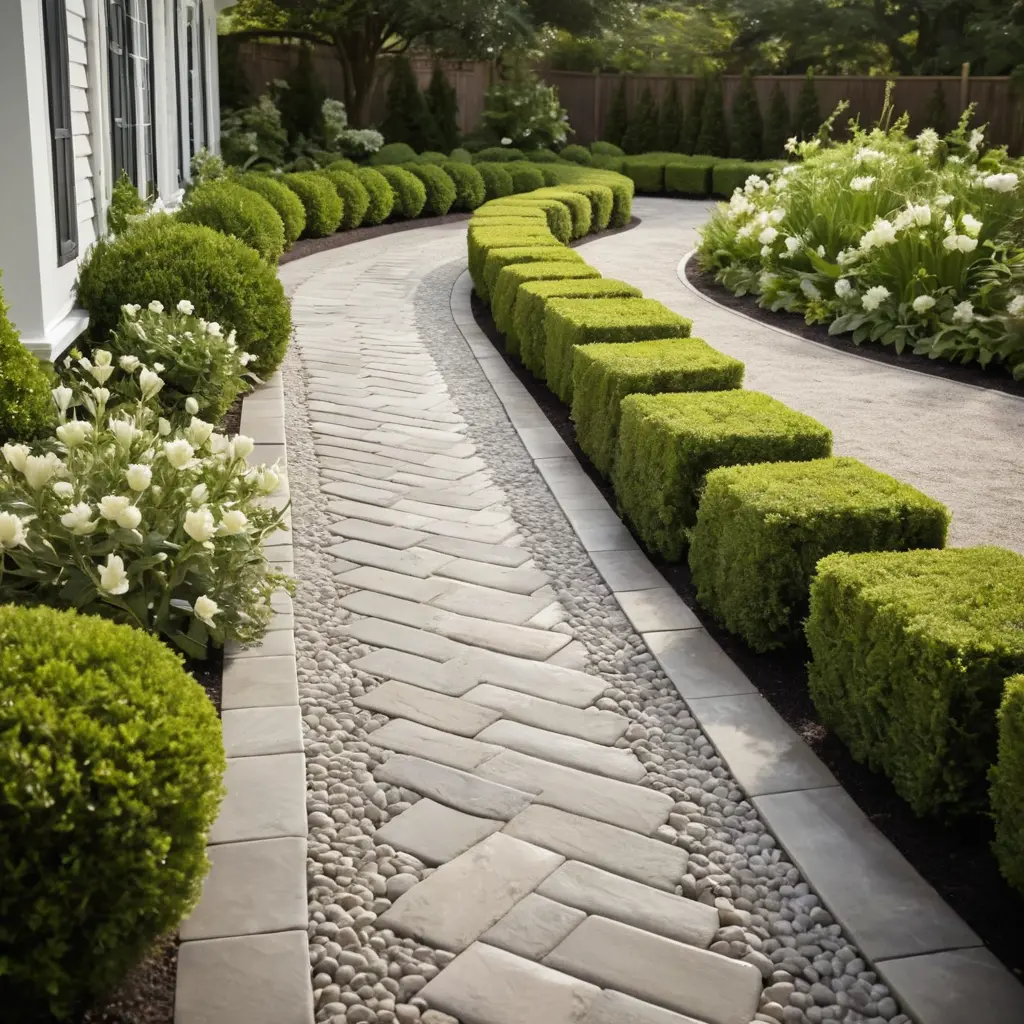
point(340, 138)
point(525, 112)
point(201, 364)
point(916, 243)
point(124, 515)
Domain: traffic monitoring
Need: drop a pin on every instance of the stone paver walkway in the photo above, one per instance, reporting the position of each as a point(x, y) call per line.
point(514, 816)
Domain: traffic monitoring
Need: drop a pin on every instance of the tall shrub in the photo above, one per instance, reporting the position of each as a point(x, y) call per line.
point(937, 114)
point(691, 122)
point(807, 119)
point(26, 408)
point(747, 135)
point(302, 102)
point(443, 107)
point(714, 136)
point(670, 124)
point(777, 128)
point(642, 134)
point(618, 116)
point(408, 119)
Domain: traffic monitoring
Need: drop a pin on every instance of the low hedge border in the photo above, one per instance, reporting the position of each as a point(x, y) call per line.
point(320, 200)
point(557, 213)
point(288, 205)
point(762, 529)
point(506, 287)
point(580, 210)
point(497, 259)
point(483, 240)
point(232, 209)
point(1007, 792)
point(440, 188)
point(354, 197)
point(410, 193)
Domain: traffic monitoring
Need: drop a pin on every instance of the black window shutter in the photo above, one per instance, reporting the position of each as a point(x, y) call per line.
point(177, 92)
point(203, 125)
point(122, 136)
point(55, 28)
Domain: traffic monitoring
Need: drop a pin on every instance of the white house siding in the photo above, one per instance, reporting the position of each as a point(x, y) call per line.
point(81, 127)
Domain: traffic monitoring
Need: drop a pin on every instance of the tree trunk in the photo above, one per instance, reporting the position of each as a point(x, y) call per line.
point(358, 52)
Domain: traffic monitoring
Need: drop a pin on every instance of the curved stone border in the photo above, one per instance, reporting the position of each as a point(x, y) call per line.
point(244, 949)
point(931, 959)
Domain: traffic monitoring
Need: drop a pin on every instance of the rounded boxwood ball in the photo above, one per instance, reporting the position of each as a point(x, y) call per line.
point(354, 197)
point(469, 185)
point(161, 258)
point(321, 201)
point(111, 766)
point(497, 181)
point(440, 187)
point(410, 192)
point(26, 405)
point(288, 205)
point(234, 210)
point(525, 177)
point(393, 153)
point(382, 198)
point(461, 156)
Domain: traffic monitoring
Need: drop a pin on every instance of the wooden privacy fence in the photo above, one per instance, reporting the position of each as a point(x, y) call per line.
point(588, 97)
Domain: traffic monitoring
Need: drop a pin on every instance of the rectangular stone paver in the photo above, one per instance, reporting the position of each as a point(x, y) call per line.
point(552, 682)
point(615, 1008)
point(251, 731)
point(383, 606)
point(705, 985)
point(440, 677)
point(636, 808)
point(450, 786)
point(455, 905)
point(395, 584)
point(259, 682)
point(571, 751)
point(488, 603)
point(590, 724)
point(516, 581)
point(421, 741)
point(518, 641)
point(697, 666)
point(376, 514)
point(533, 927)
point(605, 846)
point(487, 985)
point(265, 798)
point(600, 892)
point(413, 561)
point(381, 633)
point(377, 533)
point(434, 833)
point(659, 608)
point(494, 554)
point(400, 700)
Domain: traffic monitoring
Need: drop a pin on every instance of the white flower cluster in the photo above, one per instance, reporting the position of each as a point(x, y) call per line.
point(874, 297)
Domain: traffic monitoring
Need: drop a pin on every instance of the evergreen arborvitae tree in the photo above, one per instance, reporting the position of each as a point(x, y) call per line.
point(691, 123)
point(776, 129)
point(301, 104)
point(407, 119)
point(443, 106)
point(747, 130)
point(937, 116)
point(714, 136)
point(618, 116)
point(642, 134)
point(807, 119)
point(670, 125)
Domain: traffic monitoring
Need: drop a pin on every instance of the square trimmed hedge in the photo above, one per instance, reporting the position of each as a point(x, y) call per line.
point(669, 443)
point(497, 259)
point(692, 178)
point(503, 295)
point(601, 199)
point(572, 322)
point(911, 651)
point(647, 174)
point(762, 529)
point(602, 375)
point(482, 240)
point(1007, 790)
point(531, 302)
point(578, 205)
point(496, 209)
point(557, 213)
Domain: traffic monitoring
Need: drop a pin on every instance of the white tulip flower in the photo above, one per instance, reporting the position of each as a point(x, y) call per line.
point(874, 297)
point(150, 383)
point(112, 505)
point(39, 470)
point(923, 303)
point(205, 609)
point(768, 236)
point(78, 519)
point(233, 522)
point(156, 307)
point(12, 531)
point(843, 288)
point(862, 184)
point(186, 307)
point(124, 430)
point(963, 312)
point(178, 453)
point(198, 432)
point(1015, 307)
point(113, 578)
point(129, 363)
point(199, 524)
point(139, 476)
point(15, 454)
point(1000, 182)
point(199, 493)
point(62, 398)
point(130, 518)
point(74, 432)
point(63, 489)
point(971, 225)
point(191, 406)
point(242, 446)
point(163, 427)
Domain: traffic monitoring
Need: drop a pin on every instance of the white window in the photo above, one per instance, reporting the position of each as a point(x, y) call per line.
point(133, 141)
point(190, 69)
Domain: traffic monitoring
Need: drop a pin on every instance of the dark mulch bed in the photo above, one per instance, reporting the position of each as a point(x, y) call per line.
point(955, 859)
point(146, 996)
point(994, 378)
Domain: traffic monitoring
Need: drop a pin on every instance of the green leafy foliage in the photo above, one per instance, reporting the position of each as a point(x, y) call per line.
point(690, 177)
point(486, 239)
point(382, 198)
point(355, 200)
point(407, 120)
point(1007, 789)
point(577, 154)
point(497, 181)
point(288, 205)
point(646, 173)
point(762, 529)
point(497, 259)
point(669, 443)
point(393, 153)
point(604, 374)
point(601, 200)
point(747, 135)
point(235, 210)
point(461, 156)
point(524, 110)
point(26, 408)
point(605, 149)
point(578, 205)
point(729, 175)
point(937, 114)
point(440, 188)
point(110, 777)
point(443, 107)
point(777, 127)
point(125, 203)
point(168, 261)
point(670, 123)
point(807, 117)
point(301, 103)
point(642, 134)
point(470, 191)
point(525, 176)
point(618, 120)
point(498, 154)
point(910, 654)
point(254, 136)
point(569, 323)
point(557, 213)
point(431, 156)
point(319, 199)
point(410, 193)
point(713, 139)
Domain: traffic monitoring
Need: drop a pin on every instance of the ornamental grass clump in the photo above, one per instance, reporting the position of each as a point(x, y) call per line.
point(910, 242)
point(111, 764)
point(123, 514)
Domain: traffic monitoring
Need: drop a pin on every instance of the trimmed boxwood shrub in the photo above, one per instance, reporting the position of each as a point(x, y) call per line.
point(431, 156)
point(578, 206)
point(692, 178)
point(235, 210)
point(557, 213)
point(469, 185)
point(461, 156)
point(669, 443)
point(572, 322)
point(503, 295)
point(609, 163)
point(163, 259)
point(577, 155)
point(481, 240)
point(604, 374)
point(355, 199)
point(507, 208)
point(497, 181)
point(600, 199)
point(729, 175)
point(382, 198)
point(26, 405)
point(525, 177)
point(342, 164)
point(532, 299)
point(646, 173)
point(621, 186)
point(1007, 792)
point(393, 153)
point(410, 193)
point(497, 259)
point(441, 192)
point(498, 154)
point(605, 149)
point(542, 156)
point(761, 530)
point(320, 200)
point(111, 764)
point(910, 653)
point(288, 205)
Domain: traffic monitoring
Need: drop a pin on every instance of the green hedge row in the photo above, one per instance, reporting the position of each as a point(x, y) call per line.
point(676, 174)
